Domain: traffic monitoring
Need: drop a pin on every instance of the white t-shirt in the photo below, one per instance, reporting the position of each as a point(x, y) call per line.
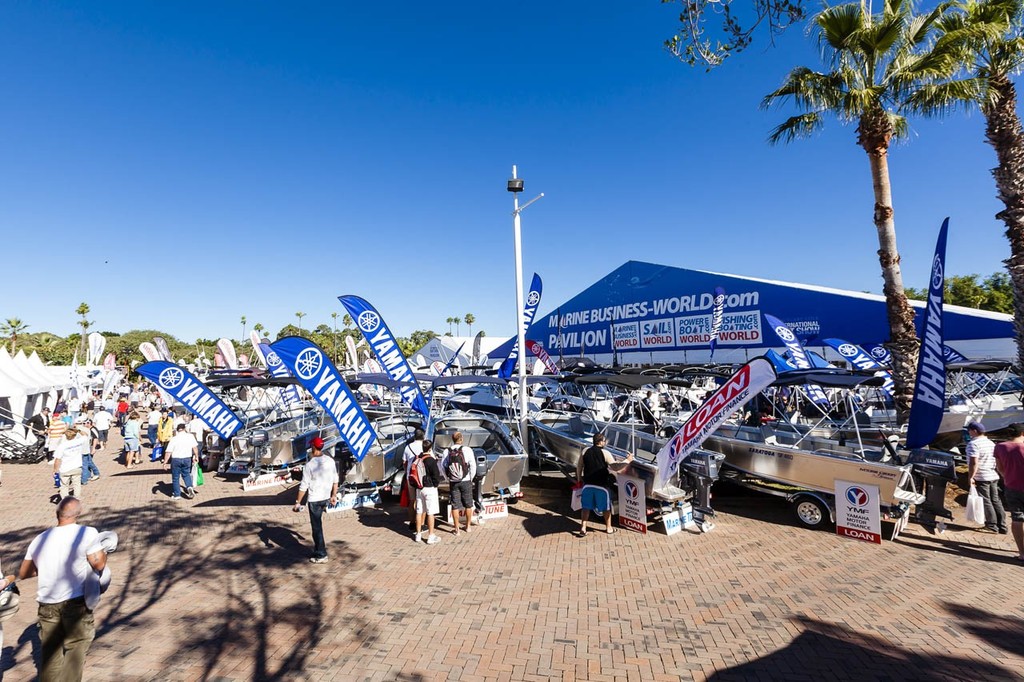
point(75, 405)
point(60, 557)
point(154, 418)
point(318, 477)
point(467, 452)
point(102, 420)
point(196, 428)
point(412, 451)
point(984, 449)
point(181, 444)
point(70, 452)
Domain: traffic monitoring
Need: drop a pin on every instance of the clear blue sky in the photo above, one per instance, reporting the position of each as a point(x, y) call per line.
point(179, 165)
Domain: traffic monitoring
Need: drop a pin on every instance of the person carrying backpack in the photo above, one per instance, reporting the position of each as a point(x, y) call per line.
point(424, 477)
point(459, 467)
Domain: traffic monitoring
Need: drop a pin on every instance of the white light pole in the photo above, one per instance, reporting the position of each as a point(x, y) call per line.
point(515, 185)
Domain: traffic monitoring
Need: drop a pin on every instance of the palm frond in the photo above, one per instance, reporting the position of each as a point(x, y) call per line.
point(940, 99)
point(796, 127)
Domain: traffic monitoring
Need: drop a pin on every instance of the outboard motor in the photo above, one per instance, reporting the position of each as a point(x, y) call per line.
point(701, 469)
point(935, 470)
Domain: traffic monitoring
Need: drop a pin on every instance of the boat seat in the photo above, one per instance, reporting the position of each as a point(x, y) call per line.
point(576, 426)
point(475, 439)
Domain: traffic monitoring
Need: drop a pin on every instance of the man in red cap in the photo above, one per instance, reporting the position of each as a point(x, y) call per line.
point(320, 484)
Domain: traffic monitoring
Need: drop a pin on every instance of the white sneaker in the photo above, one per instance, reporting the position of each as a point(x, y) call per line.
point(433, 540)
point(416, 537)
point(477, 521)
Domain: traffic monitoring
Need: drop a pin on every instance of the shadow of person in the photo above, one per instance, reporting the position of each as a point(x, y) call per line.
point(9, 655)
point(162, 488)
point(279, 536)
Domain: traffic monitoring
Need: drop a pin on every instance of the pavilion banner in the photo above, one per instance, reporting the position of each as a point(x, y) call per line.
point(538, 351)
point(289, 394)
point(161, 346)
point(315, 371)
point(716, 317)
point(797, 354)
point(862, 360)
point(930, 389)
point(508, 366)
point(194, 395)
point(747, 382)
point(385, 347)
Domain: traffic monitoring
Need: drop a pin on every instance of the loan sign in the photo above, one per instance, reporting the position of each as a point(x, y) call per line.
point(857, 512)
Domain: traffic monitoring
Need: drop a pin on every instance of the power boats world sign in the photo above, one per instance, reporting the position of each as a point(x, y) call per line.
point(857, 512)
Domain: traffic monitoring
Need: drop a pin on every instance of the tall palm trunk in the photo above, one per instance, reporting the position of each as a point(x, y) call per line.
point(1003, 132)
point(874, 132)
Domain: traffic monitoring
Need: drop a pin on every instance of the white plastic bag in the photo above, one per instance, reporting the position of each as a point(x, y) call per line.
point(577, 498)
point(975, 507)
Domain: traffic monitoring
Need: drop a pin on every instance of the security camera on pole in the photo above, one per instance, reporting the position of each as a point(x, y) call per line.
point(515, 185)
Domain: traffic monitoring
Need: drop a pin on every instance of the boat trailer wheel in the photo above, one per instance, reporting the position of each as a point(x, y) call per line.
point(810, 512)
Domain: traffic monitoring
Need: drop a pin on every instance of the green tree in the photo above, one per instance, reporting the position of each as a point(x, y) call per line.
point(470, 319)
point(993, 293)
point(84, 323)
point(259, 329)
point(243, 328)
point(876, 61)
point(300, 315)
point(11, 328)
point(346, 320)
point(988, 38)
point(419, 338)
point(450, 321)
point(457, 321)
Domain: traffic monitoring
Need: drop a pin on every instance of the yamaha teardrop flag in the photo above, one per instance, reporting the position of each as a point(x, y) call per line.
point(537, 349)
point(716, 317)
point(797, 354)
point(161, 346)
point(382, 343)
point(197, 398)
point(859, 358)
point(930, 388)
point(314, 370)
point(289, 394)
point(529, 311)
point(747, 382)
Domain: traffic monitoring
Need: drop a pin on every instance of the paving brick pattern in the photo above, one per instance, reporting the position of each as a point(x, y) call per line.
point(218, 588)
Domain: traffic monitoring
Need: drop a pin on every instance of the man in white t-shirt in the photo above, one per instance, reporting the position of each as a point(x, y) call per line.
point(182, 450)
point(67, 461)
point(152, 422)
point(460, 475)
point(982, 474)
point(197, 428)
point(320, 484)
point(103, 420)
point(74, 408)
point(59, 557)
point(413, 450)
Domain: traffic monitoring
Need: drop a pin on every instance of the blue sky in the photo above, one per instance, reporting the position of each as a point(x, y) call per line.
point(179, 165)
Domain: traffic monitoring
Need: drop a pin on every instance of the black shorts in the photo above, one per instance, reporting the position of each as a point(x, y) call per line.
point(1015, 504)
point(461, 495)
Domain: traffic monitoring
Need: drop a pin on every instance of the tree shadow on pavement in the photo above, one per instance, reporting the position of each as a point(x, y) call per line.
point(557, 517)
point(829, 651)
point(1005, 632)
point(936, 543)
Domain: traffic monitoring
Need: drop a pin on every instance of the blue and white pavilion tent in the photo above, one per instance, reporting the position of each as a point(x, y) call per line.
point(649, 313)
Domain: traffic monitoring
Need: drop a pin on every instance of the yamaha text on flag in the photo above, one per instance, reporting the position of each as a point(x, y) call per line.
point(508, 367)
point(311, 366)
point(196, 397)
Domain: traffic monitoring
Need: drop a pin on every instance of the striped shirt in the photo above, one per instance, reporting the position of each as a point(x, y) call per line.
point(982, 448)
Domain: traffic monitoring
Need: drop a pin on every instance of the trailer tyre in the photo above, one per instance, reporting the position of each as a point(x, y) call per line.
point(811, 512)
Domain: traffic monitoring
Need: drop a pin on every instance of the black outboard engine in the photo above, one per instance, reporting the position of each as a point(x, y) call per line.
point(701, 469)
point(933, 471)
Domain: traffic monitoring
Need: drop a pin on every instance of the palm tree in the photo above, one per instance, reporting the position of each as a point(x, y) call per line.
point(470, 318)
point(346, 320)
point(259, 329)
point(988, 36)
point(876, 61)
point(334, 336)
point(300, 315)
point(243, 328)
point(84, 323)
point(11, 328)
point(450, 321)
point(458, 321)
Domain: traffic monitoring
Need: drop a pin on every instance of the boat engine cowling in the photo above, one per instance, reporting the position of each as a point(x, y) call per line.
point(933, 464)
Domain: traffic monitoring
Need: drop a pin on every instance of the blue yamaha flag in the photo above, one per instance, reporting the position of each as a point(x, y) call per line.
point(384, 346)
point(797, 355)
point(314, 370)
point(930, 389)
point(716, 318)
point(194, 395)
point(289, 394)
point(862, 360)
point(508, 367)
point(880, 354)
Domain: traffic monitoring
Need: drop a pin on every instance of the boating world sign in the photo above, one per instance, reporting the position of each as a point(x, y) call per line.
point(748, 381)
point(310, 365)
point(197, 398)
point(857, 514)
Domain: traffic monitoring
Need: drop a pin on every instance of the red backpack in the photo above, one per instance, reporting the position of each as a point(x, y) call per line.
point(417, 472)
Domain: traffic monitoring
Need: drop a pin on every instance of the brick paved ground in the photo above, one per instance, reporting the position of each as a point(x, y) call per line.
point(219, 589)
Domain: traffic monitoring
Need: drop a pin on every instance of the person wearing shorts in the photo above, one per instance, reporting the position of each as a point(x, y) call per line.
point(1010, 464)
point(426, 497)
point(460, 480)
point(593, 470)
point(131, 440)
